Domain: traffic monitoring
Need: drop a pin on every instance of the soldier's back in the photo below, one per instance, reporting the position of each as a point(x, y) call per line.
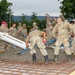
point(34, 33)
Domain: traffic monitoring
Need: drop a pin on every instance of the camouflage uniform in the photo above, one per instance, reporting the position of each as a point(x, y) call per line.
point(35, 39)
point(23, 33)
point(63, 30)
point(4, 45)
point(54, 22)
point(19, 26)
point(73, 42)
point(47, 20)
point(49, 33)
point(13, 32)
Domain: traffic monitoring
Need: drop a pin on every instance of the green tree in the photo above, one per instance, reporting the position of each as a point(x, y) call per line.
point(34, 19)
point(4, 5)
point(68, 8)
point(23, 18)
point(34, 16)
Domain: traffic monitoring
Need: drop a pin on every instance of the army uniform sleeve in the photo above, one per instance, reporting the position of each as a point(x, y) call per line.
point(47, 32)
point(54, 31)
point(73, 29)
point(40, 32)
point(70, 26)
point(20, 29)
point(28, 38)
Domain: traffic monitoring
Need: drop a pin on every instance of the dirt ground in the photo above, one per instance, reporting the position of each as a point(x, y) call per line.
point(12, 55)
point(13, 64)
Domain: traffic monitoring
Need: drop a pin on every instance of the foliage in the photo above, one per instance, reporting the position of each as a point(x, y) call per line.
point(68, 8)
point(4, 6)
point(23, 18)
point(6, 15)
point(34, 16)
point(40, 23)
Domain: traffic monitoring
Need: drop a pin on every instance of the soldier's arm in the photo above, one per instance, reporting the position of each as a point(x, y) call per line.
point(47, 32)
point(27, 44)
point(44, 35)
point(70, 26)
point(54, 31)
point(27, 40)
point(26, 32)
point(19, 31)
point(73, 29)
point(10, 31)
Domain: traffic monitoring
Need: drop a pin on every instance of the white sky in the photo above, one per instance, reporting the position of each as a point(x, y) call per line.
point(41, 7)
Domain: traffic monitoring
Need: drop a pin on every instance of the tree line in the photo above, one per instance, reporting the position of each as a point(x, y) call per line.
point(67, 9)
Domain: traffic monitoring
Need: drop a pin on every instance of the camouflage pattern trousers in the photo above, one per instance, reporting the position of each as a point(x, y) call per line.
point(73, 46)
point(37, 41)
point(65, 42)
point(4, 45)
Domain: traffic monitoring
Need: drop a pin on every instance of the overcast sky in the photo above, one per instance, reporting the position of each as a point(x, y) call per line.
point(41, 7)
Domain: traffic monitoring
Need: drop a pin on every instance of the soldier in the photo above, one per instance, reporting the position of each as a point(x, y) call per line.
point(34, 38)
point(19, 26)
point(23, 32)
point(47, 20)
point(13, 30)
point(62, 29)
point(4, 28)
point(34, 27)
point(49, 32)
point(49, 35)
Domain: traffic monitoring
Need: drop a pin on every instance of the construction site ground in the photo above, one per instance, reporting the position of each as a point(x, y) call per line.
point(13, 64)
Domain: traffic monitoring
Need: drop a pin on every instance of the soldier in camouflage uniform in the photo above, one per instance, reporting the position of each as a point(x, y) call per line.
point(63, 36)
point(34, 38)
point(49, 32)
point(47, 20)
point(19, 26)
point(13, 30)
point(23, 32)
point(49, 28)
point(4, 28)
